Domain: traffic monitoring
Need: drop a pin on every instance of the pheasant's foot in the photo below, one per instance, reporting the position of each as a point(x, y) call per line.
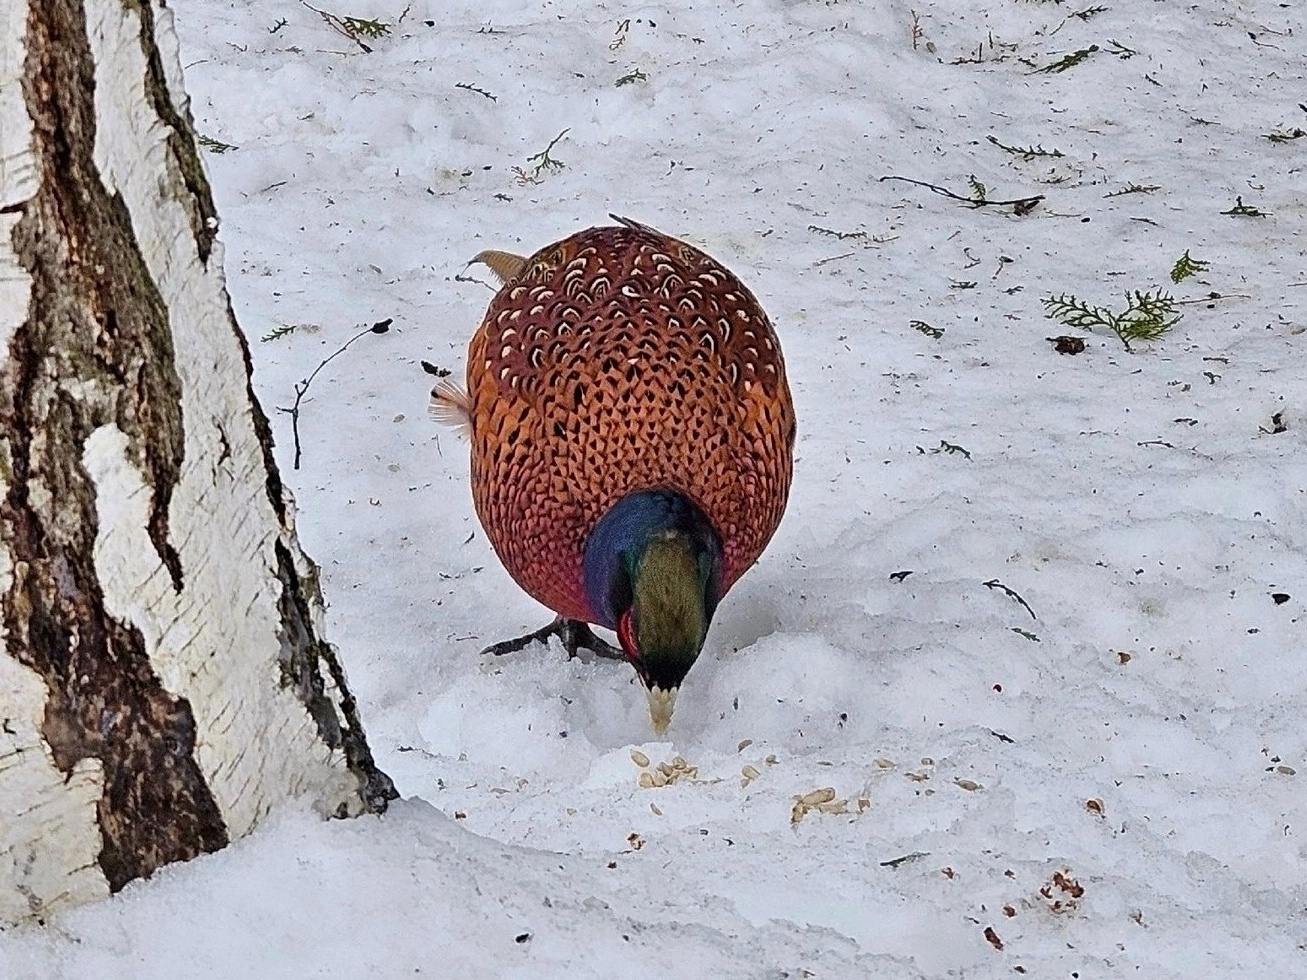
point(574, 634)
point(577, 635)
point(541, 635)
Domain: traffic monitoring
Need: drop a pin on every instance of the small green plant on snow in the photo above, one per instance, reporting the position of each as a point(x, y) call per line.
point(1147, 315)
point(543, 163)
point(215, 145)
point(361, 27)
point(1186, 266)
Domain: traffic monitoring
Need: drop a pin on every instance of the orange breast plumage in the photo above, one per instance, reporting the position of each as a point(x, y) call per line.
point(617, 360)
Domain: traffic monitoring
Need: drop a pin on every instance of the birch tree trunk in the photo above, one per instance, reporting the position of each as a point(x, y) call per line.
point(164, 681)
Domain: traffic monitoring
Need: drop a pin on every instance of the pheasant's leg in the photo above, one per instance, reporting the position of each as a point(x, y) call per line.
point(574, 634)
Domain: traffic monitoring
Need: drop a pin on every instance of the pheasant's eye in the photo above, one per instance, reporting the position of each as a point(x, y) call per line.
point(626, 635)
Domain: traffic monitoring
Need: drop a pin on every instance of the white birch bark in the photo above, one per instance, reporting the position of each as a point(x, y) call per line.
point(163, 681)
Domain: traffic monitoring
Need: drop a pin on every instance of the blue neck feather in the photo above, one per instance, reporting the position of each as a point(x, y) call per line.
point(618, 541)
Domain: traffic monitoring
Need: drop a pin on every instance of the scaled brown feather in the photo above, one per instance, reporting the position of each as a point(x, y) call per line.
point(616, 360)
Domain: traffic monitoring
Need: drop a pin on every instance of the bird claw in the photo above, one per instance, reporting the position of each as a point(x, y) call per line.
point(574, 635)
point(522, 642)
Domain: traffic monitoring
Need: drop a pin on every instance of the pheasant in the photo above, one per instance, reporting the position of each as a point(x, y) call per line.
point(632, 441)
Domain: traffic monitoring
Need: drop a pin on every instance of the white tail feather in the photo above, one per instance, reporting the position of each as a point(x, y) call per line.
point(451, 406)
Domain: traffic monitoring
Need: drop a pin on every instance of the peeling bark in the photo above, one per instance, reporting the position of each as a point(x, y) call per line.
point(95, 322)
point(182, 691)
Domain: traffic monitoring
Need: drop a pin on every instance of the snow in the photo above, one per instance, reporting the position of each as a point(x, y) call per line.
point(1117, 793)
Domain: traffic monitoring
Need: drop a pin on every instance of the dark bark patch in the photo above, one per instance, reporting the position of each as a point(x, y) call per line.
point(262, 430)
point(303, 657)
point(181, 139)
point(96, 326)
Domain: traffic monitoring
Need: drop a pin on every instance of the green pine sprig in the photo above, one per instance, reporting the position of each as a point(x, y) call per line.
point(1186, 266)
point(363, 27)
point(1147, 316)
point(281, 330)
point(1066, 62)
point(215, 145)
point(1025, 152)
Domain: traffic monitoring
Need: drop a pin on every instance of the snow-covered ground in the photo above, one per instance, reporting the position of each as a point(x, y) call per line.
point(1092, 767)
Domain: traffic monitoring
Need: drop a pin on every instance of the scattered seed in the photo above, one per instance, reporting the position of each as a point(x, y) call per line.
point(884, 764)
point(970, 785)
point(744, 744)
point(822, 800)
point(992, 937)
point(665, 773)
point(748, 774)
point(1096, 806)
point(816, 796)
point(863, 804)
point(1286, 770)
point(656, 812)
point(770, 760)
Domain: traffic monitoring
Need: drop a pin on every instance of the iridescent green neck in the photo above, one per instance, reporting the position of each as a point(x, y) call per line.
point(667, 585)
point(653, 572)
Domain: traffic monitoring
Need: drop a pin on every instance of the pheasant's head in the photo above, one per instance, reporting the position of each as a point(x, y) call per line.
point(655, 562)
point(663, 629)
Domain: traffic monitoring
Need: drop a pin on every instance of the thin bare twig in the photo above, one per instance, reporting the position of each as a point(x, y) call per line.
point(833, 258)
point(996, 584)
point(1021, 205)
point(301, 389)
point(1211, 298)
point(339, 26)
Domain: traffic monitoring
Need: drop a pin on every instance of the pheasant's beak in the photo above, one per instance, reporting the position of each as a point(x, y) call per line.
point(661, 705)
